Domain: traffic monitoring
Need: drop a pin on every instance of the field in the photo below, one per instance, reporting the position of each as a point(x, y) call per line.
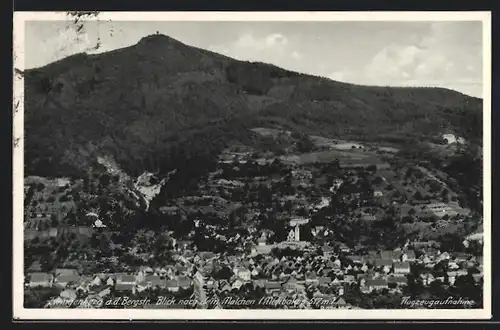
point(264, 131)
point(321, 141)
point(328, 156)
point(433, 231)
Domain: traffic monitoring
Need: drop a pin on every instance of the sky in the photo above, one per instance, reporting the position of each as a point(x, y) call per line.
point(441, 54)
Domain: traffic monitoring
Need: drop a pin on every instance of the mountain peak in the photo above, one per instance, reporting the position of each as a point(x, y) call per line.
point(158, 38)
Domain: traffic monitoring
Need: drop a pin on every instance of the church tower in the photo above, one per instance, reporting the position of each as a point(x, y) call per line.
point(297, 233)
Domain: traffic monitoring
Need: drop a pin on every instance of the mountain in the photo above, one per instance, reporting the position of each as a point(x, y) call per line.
point(160, 103)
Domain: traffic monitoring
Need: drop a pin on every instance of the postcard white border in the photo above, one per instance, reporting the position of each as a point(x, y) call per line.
point(20, 313)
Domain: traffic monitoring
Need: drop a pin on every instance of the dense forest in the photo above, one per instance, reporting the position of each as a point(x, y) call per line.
point(160, 102)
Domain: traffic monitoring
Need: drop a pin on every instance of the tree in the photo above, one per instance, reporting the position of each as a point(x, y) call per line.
point(53, 220)
point(304, 143)
point(418, 196)
point(445, 195)
point(306, 232)
point(451, 242)
point(280, 230)
point(377, 180)
point(223, 273)
point(437, 289)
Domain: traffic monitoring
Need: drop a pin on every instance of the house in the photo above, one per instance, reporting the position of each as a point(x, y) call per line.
point(65, 271)
point(292, 285)
point(460, 257)
point(337, 281)
point(477, 277)
point(182, 245)
point(319, 228)
point(142, 286)
point(327, 250)
point(35, 267)
point(237, 284)
point(385, 264)
point(425, 259)
point(170, 210)
point(356, 259)
point(324, 281)
point(210, 283)
point(272, 286)
point(207, 256)
point(259, 283)
point(443, 256)
point(349, 279)
point(84, 286)
point(104, 293)
point(126, 279)
point(440, 209)
point(154, 281)
point(130, 287)
point(471, 262)
point(325, 271)
point(375, 285)
point(391, 255)
point(398, 280)
point(110, 281)
point(311, 277)
point(243, 273)
point(452, 276)
point(172, 285)
point(427, 278)
point(378, 193)
point(298, 221)
point(68, 294)
point(409, 255)
point(402, 267)
point(122, 282)
point(424, 244)
point(340, 303)
point(41, 280)
point(65, 280)
point(344, 248)
point(362, 276)
point(96, 281)
point(368, 217)
point(184, 282)
point(146, 270)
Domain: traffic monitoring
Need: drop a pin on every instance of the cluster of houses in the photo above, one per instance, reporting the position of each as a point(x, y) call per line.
point(325, 273)
point(389, 269)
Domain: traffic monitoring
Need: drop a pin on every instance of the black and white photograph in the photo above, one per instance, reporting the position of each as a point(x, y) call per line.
point(232, 165)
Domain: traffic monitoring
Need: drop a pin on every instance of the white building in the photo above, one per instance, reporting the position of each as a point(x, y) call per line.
point(439, 209)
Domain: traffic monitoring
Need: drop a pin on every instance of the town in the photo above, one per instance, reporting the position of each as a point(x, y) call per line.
point(323, 224)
